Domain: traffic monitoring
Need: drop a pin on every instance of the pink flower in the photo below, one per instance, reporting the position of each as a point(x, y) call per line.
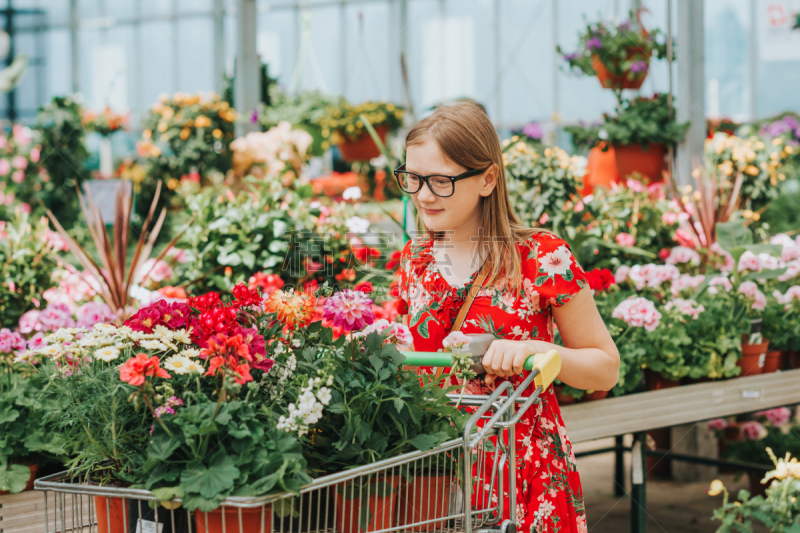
point(24, 208)
point(36, 342)
point(681, 255)
point(686, 282)
point(22, 134)
point(156, 271)
point(349, 309)
point(685, 238)
point(777, 417)
point(687, 307)
point(92, 313)
point(750, 290)
point(752, 431)
point(625, 239)
point(544, 218)
point(579, 207)
point(35, 154)
point(635, 185)
point(718, 424)
point(400, 335)
point(663, 254)
point(652, 276)
point(669, 218)
point(719, 281)
point(621, 275)
point(56, 316)
point(5, 167)
point(178, 254)
point(638, 312)
point(55, 241)
point(456, 341)
point(18, 176)
point(792, 271)
point(19, 162)
point(29, 322)
point(749, 261)
point(11, 341)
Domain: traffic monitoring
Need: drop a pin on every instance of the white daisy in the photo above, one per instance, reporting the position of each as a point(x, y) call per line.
point(51, 350)
point(194, 367)
point(107, 354)
point(190, 352)
point(153, 345)
point(557, 262)
point(180, 365)
point(162, 332)
point(182, 336)
point(100, 326)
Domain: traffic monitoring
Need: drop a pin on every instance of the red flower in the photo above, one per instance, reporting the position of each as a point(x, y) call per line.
point(267, 282)
point(245, 296)
point(230, 353)
point(205, 302)
point(600, 279)
point(145, 319)
point(663, 254)
point(135, 369)
point(364, 287)
point(394, 260)
point(365, 253)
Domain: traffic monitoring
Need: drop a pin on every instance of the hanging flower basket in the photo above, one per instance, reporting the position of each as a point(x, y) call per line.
point(634, 159)
point(628, 80)
point(362, 148)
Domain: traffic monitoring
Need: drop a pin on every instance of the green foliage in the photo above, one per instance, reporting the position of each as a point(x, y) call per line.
point(345, 120)
point(716, 338)
point(217, 450)
point(64, 156)
point(28, 261)
point(378, 410)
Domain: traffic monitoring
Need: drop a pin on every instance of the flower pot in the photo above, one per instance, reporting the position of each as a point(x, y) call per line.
point(253, 519)
point(729, 434)
point(601, 170)
point(772, 362)
point(425, 498)
point(794, 357)
point(753, 357)
point(661, 439)
point(594, 395)
point(632, 158)
point(656, 381)
point(34, 468)
point(365, 506)
point(111, 514)
point(613, 81)
point(756, 487)
point(363, 148)
point(561, 398)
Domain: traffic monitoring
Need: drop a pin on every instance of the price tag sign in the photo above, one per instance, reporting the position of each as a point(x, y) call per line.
point(146, 526)
point(751, 394)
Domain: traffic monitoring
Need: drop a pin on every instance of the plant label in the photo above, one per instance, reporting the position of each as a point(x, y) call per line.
point(146, 526)
point(751, 394)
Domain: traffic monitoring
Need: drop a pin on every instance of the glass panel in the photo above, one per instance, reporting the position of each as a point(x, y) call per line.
point(157, 70)
point(58, 80)
point(195, 37)
point(727, 28)
point(277, 28)
point(367, 52)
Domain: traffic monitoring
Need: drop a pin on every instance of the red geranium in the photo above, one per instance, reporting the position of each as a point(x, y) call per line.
point(364, 287)
point(365, 253)
point(245, 296)
point(267, 282)
point(394, 260)
point(228, 353)
point(135, 369)
point(205, 302)
point(600, 279)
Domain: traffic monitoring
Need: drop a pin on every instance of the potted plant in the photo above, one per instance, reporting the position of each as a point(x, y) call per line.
point(106, 124)
point(618, 54)
point(350, 133)
point(777, 508)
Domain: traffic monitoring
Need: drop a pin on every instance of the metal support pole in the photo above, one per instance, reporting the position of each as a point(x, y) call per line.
point(219, 41)
point(619, 466)
point(691, 87)
point(343, 45)
point(12, 95)
point(752, 60)
point(73, 34)
point(246, 86)
point(498, 74)
point(556, 60)
point(638, 483)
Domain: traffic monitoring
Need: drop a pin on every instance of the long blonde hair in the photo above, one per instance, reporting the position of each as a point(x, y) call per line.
point(463, 131)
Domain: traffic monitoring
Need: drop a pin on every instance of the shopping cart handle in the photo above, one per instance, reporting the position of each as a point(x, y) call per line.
point(548, 364)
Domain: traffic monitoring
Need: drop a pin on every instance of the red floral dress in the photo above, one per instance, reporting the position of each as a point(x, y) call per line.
point(549, 496)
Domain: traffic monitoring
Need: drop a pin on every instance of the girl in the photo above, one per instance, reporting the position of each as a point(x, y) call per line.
point(454, 172)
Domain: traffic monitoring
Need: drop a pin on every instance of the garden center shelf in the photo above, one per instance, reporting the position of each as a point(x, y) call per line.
point(638, 413)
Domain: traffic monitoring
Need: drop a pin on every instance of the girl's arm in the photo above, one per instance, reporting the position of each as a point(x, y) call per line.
point(589, 357)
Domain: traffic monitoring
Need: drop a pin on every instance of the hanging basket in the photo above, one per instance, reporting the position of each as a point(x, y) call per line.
point(363, 148)
point(631, 158)
point(632, 80)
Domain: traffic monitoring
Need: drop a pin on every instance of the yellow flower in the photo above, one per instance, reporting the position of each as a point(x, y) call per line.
point(202, 121)
point(162, 126)
point(217, 133)
point(789, 149)
point(185, 132)
point(716, 488)
point(325, 145)
point(172, 184)
point(168, 113)
point(777, 141)
point(752, 170)
point(747, 213)
point(147, 135)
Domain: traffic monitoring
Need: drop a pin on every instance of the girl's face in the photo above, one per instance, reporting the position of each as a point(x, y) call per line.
point(456, 212)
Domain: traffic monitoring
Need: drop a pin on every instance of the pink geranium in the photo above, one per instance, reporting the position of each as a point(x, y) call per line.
point(638, 312)
point(625, 239)
point(349, 309)
point(686, 281)
point(55, 316)
point(11, 341)
point(718, 424)
point(92, 313)
point(752, 431)
point(719, 281)
point(29, 322)
point(686, 307)
point(750, 290)
point(682, 254)
point(777, 417)
point(749, 261)
point(153, 270)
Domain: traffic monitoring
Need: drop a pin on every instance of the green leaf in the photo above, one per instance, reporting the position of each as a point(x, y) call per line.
point(732, 234)
point(15, 478)
point(162, 446)
point(423, 328)
point(211, 481)
point(167, 493)
point(764, 274)
point(8, 415)
point(424, 442)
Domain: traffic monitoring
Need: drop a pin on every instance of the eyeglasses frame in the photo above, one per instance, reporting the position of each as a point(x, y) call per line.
point(424, 179)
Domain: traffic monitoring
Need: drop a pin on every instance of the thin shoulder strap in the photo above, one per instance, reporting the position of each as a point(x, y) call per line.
point(476, 286)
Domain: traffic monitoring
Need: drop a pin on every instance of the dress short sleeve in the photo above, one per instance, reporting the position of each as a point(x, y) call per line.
point(552, 269)
point(400, 284)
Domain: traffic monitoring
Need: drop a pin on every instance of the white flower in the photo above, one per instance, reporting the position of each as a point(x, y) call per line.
point(456, 341)
point(107, 354)
point(352, 193)
point(51, 350)
point(557, 262)
point(357, 224)
point(106, 328)
point(153, 345)
point(162, 332)
point(180, 364)
point(279, 349)
point(190, 352)
point(297, 342)
point(182, 336)
point(324, 395)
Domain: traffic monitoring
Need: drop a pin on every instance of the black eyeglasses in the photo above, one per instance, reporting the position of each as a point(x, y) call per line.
point(439, 185)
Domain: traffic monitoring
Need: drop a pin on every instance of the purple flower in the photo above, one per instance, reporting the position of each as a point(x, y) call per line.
point(533, 130)
point(169, 406)
point(594, 43)
point(625, 25)
point(791, 121)
point(254, 117)
point(352, 310)
point(572, 56)
point(774, 129)
point(639, 66)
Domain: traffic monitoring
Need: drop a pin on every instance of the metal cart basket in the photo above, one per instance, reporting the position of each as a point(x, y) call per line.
point(456, 487)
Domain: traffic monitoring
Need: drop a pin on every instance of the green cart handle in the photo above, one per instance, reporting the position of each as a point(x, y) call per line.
point(548, 364)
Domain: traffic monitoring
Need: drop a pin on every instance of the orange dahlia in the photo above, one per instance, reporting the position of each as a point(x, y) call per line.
point(294, 309)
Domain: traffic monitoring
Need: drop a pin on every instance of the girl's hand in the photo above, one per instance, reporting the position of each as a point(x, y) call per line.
point(505, 357)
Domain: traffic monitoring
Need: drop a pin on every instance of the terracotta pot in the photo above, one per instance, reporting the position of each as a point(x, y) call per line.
point(756, 487)
point(596, 395)
point(563, 399)
point(611, 81)
point(34, 468)
point(753, 357)
point(111, 514)
point(786, 360)
point(655, 381)
point(363, 148)
point(601, 170)
point(252, 520)
point(425, 498)
point(380, 505)
point(772, 362)
point(794, 356)
point(632, 158)
point(658, 466)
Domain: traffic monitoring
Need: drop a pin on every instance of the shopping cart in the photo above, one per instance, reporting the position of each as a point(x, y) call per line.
point(456, 487)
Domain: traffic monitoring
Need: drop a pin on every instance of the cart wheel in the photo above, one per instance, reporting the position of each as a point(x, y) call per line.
point(507, 526)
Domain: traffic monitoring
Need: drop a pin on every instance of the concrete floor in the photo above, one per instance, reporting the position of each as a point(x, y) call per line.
point(672, 506)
